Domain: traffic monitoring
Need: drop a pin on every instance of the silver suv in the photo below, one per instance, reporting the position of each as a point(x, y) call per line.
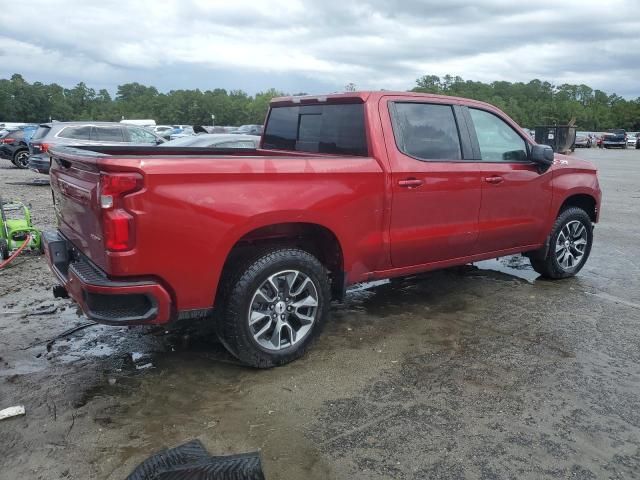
point(84, 133)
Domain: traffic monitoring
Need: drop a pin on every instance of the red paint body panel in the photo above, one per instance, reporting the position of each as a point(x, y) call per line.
point(509, 216)
point(194, 209)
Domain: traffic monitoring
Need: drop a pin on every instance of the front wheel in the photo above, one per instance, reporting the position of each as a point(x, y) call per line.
point(274, 307)
point(569, 245)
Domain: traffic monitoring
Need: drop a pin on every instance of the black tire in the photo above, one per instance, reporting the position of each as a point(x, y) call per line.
point(235, 301)
point(4, 249)
point(549, 266)
point(21, 159)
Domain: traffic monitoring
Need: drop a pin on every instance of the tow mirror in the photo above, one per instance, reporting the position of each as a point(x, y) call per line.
point(542, 155)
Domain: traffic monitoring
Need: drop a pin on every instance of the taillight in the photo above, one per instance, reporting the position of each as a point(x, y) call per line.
point(41, 147)
point(117, 227)
point(117, 223)
point(7, 140)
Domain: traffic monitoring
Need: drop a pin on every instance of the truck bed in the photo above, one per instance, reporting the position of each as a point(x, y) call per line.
point(197, 203)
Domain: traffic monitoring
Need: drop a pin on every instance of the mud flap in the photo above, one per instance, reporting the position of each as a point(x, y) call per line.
point(191, 461)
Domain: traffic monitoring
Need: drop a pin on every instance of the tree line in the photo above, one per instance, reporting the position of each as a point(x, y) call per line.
point(542, 103)
point(530, 104)
point(37, 102)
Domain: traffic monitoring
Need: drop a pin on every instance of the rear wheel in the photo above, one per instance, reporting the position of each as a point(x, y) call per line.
point(21, 159)
point(273, 307)
point(569, 245)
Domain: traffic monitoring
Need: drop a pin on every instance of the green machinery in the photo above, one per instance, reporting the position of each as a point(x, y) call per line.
point(15, 226)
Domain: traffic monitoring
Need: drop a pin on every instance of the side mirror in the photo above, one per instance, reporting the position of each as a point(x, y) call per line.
point(542, 155)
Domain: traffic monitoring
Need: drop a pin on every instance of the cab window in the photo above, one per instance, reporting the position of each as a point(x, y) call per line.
point(497, 140)
point(426, 131)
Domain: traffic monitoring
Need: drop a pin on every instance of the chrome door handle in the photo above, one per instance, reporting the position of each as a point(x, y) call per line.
point(410, 182)
point(494, 180)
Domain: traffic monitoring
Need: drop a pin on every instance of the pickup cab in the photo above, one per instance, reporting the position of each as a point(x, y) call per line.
point(344, 188)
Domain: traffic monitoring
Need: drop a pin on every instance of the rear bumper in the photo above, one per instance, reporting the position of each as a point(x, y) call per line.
point(40, 163)
point(113, 302)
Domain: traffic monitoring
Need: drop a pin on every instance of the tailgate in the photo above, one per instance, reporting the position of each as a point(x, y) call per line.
point(74, 179)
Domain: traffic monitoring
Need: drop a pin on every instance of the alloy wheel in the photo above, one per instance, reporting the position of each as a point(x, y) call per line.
point(283, 310)
point(22, 159)
point(571, 244)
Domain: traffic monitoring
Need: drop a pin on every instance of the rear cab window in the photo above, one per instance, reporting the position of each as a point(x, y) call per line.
point(327, 128)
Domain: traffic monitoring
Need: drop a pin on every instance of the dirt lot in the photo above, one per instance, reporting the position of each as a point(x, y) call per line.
point(476, 372)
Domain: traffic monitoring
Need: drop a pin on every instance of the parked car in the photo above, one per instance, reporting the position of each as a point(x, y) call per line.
point(631, 140)
point(346, 188)
point(615, 139)
point(215, 140)
point(179, 128)
point(583, 140)
point(163, 131)
point(14, 145)
point(84, 133)
point(185, 132)
point(248, 130)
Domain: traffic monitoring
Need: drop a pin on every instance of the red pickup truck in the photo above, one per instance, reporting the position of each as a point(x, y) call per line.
point(344, 188)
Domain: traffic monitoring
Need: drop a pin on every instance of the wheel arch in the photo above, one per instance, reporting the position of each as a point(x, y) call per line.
point(312, 237)
point(584, 201)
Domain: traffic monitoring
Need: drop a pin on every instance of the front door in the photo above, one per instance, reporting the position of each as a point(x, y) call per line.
point(516, 197)
point(435, 184)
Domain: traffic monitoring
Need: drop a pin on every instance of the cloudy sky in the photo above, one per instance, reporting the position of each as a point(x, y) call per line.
point(320, 46)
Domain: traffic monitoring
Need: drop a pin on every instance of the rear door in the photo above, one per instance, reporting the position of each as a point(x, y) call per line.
point(435, 182)
point(516, 197)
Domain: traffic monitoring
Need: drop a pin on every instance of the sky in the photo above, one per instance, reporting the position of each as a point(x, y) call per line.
point(320, 46)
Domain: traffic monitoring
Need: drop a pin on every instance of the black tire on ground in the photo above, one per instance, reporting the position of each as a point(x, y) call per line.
point(21, 158)
point(4, 249)
point(549, 266)
point(240, 287)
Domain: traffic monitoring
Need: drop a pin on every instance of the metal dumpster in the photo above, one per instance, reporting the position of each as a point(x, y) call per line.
point(559, 137)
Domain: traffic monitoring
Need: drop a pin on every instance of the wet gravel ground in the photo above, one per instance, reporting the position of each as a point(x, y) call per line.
point(479, 372)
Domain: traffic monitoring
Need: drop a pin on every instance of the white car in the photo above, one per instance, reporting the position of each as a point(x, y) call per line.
point(631, 141)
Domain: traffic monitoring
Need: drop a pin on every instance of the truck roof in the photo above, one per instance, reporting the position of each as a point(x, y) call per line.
point(364, 96)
